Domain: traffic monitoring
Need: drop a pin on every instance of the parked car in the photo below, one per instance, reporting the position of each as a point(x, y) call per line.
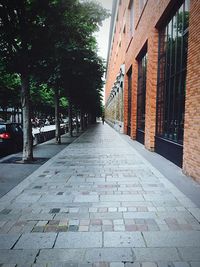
point(11, 138)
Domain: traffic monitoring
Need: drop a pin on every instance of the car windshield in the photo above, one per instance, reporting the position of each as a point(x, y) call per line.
point(2, 128)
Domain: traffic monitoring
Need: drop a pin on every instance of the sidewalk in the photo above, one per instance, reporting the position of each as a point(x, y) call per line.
point(12, 173)
point(98, 203)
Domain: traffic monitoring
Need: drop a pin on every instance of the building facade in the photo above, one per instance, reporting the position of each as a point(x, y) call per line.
point(152, 79)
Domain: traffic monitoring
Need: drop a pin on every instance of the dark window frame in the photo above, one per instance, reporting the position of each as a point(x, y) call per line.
point(141, 92)
point(129, 76)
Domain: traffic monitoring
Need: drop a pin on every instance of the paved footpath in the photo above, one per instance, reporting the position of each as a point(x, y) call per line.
point(98, 203)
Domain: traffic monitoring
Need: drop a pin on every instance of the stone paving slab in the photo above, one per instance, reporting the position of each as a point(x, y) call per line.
point(126, 239)
point(156, 254)
point(36, 241)
point(109, 255)
point(61, 255)
point(172, 239)
point(8, 240)
point(79, 240)
point(190, 254)
point(17, 256)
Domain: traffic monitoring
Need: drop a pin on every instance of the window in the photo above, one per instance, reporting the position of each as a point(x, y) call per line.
point(141, 93)
point(131, 11)
point(172, 63)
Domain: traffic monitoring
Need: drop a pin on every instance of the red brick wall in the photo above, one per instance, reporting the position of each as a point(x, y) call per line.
point(151, 87)
point(191, 155)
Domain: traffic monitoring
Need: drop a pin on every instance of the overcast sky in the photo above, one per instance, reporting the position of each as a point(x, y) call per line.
point(103, 34)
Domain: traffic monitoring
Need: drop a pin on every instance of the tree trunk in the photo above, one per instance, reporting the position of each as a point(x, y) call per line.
point(82, 121)
point(70, 118)
point(77, 123)
point(27, 127)
point(57, 120)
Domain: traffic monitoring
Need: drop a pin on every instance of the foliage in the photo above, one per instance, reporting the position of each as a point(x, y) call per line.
point(52, 41)
point(9, 89)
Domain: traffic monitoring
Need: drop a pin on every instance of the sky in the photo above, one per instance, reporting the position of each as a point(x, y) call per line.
point(102, 35)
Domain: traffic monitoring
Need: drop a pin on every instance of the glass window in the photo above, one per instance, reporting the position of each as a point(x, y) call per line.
point(172, 63)
point(2, 128)
point(141, 92)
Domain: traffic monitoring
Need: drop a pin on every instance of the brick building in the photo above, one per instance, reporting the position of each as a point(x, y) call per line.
point(152, 79)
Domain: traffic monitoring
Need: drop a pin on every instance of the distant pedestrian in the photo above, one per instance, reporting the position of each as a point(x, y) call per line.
point(103, 119)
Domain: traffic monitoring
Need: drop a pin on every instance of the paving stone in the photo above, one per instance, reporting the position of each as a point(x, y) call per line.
point(38, 229)
point(123, 239)
point(109, 255)
point(181, 264)
point(74, 222)
point(156, 254)
point(83, 228)
point(95, 228)
point(190, 254)
point(165, 264)
point(62, 228)
point(119, 228)
point(195, 264)
point(90, 198)
point(118, 222)
point(131, 227)
point(79, 240)
point(100, 264)
point(61, 255)
point(27, 198)
point(107, 222)
point(107, 228)
point(36, 216)
point(140, 215)
point(60, 264)
point(73, 228)
point(18, 256)
point(8, 265)
point(149, 264)
point(8, 240)
point(41, 223)
point(39, 265)
point(172, 239)
point(51, 228)
point(136, 264)
point(38, 241)
point(122, 198)
point(85, 265)
point(106, 215)
point(116, 264)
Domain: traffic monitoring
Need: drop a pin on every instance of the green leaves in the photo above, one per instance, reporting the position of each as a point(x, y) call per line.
point(53, 42)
